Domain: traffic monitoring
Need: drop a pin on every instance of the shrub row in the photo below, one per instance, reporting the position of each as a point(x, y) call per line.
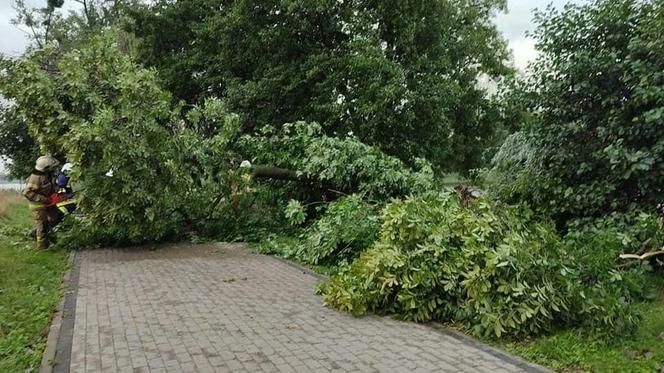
point(492, 268)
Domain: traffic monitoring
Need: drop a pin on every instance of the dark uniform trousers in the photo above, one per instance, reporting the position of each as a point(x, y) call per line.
point(45, 219)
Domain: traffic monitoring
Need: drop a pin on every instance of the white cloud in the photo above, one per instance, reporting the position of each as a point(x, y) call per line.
point(13, 40)
point(519, 20)
point(524, 52)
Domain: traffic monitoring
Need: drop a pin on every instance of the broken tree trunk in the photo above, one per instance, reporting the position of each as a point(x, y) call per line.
point(268, 172)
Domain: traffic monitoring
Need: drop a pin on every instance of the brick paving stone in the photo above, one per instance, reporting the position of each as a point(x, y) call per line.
point(222, 308)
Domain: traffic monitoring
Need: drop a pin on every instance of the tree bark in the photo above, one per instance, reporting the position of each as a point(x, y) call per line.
point(268, 172)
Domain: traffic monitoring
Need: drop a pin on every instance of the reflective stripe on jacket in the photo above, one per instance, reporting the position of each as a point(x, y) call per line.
point(66, 207)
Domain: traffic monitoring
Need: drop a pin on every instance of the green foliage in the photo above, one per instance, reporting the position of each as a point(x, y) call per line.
point(596, 144)
point(610, 288)
point(51, 27)
point(516, 166)
point(574, 350)
point(16, 144)
point(348, 226)
point(144, 174)
point(295, 212)
point(439, 260)
point(401, 76)
point(281, 245)
point(489, 267)
point(342, 163)
point(258, 214)
point(122, 137)
point(618, 233)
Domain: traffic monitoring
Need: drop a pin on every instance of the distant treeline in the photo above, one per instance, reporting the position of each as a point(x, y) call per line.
point(6, 179)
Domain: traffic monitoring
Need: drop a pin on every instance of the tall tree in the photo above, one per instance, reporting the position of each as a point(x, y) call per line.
point(597, 91)
point(400, 75)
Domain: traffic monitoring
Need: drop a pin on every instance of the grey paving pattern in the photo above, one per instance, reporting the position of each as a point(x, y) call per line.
point(221, 308)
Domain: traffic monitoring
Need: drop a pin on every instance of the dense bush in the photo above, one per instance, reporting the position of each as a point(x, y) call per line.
point(596, 143)
point(609, 285)
point(633, 233)
point(487, 266)
point(345, 228)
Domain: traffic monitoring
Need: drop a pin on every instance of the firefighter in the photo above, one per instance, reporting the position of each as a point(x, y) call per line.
point(63, 199)
point(62, 181)
point(38, 190)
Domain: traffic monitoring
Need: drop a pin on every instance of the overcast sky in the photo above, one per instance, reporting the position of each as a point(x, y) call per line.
point(518, 20)
point(13, 40)
point(514, 26)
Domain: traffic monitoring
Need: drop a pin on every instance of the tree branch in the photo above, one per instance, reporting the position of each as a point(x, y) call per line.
point(85, 10)
point(643, 256)
point(48, 25)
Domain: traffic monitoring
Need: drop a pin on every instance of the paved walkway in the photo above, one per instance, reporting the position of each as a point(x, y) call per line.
point(220, 308)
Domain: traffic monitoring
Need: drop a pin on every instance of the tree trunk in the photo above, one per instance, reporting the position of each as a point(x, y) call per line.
point(268, 172)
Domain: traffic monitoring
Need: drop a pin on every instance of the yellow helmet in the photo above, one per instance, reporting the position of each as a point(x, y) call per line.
point(46, 163)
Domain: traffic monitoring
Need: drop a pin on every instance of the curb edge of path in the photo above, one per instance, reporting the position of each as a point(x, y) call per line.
point(462, 337)
point(493, 351)
point(57, 353)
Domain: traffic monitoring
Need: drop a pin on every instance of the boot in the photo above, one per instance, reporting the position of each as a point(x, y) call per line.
point(42, 244)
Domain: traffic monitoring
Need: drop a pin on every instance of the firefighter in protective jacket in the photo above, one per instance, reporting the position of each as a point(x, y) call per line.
point(38, 190)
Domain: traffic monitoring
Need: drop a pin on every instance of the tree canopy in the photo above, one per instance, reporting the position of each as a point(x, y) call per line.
point(399, 75)
point(596, 143)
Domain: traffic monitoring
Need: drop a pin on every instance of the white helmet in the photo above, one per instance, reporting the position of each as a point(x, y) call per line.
point(66, 168)
point(46, 163)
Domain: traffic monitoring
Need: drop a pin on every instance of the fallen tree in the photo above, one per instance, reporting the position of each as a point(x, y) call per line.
point(146, 172)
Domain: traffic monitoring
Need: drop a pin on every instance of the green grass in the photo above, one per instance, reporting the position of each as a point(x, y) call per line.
point(30, 288)
point(574, 351)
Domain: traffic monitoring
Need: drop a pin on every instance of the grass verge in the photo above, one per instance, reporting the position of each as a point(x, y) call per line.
point(30, 288)
point(576, 351)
